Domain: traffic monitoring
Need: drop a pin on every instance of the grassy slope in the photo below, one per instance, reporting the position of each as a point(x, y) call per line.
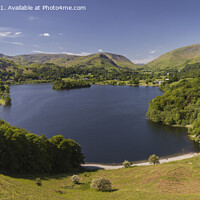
point(94, 60)
point(191, 61)
point(175, 180)
point(175, 58)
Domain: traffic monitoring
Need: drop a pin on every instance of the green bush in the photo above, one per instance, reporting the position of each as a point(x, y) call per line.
point(101, 184)
point(127, 163)
point(38, 182)
point(153, 159)
point(75, 179)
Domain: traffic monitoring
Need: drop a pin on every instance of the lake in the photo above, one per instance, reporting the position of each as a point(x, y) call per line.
point(108, 121)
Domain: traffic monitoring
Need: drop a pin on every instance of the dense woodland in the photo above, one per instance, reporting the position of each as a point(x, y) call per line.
point(52, 72)
point(24, 152)
point(190, 71)
point(179, 105)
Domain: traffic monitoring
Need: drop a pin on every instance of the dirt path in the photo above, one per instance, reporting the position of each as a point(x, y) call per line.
point(109, 167)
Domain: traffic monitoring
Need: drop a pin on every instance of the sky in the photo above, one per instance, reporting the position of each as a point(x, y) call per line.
point(141, 30)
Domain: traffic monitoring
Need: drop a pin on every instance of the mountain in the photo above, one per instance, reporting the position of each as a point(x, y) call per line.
point(40, 58)
point(175, 58)
point(107, 60)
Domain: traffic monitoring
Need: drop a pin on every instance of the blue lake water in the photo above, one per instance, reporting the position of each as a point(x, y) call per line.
point(108, 121)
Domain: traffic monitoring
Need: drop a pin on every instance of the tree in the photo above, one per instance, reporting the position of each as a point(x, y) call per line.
point(38, 181)
point(75, 179)
point(127, 163)
point(101, 184)
point(153, 159)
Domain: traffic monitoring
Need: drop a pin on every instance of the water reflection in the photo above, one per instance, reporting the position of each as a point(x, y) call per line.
point(175, 132)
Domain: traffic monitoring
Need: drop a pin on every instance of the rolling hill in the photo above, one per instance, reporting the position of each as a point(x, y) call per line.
point(107, 60)
point(177, 180)
point(176, 59)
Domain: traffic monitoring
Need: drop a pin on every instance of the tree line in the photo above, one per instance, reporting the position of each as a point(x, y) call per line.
point(50, 72)
point(179, 105)
point(22, 152)
point(63, 85)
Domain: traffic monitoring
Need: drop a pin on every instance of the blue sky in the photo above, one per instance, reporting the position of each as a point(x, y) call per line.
point(141, 30)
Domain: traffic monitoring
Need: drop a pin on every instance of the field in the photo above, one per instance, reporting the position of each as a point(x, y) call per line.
point(174, 180)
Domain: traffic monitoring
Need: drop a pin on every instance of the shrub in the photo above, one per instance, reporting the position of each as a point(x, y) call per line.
point(38, 181)
point(75, 179)
point(153, 159)
point(101, 184)
point(127, 163)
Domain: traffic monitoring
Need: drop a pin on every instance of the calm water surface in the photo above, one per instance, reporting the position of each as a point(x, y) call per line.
point(108, 121)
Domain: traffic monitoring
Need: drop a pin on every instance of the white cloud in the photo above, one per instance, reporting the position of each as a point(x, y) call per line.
point(17, 43)
point(77, 54)
point(60, 34)
point(68, 53)
point(14, 43)
point(44, 52)
point(144, 60)
point(152, 52)
point(44, 35)
point(100, 50)
point(6, 32)
point(35, 45)
point(18, 33)
point(32, 18)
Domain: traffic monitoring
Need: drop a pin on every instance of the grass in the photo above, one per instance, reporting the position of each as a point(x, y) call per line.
point(175, 180)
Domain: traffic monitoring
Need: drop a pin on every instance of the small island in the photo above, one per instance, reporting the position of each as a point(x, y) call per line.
point(65, 85)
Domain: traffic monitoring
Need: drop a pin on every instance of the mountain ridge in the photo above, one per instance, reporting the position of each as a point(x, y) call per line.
point(175, 58)
point(65, 60)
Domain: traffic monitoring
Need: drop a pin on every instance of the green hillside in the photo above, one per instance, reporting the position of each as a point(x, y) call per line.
point(176, 58)
point(41, 58)
point(175, 180)
point(191, 61)
point(106, 60)
point(5, 63)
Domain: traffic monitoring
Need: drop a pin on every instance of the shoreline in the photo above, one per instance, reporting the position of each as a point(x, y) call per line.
point(95, 166)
